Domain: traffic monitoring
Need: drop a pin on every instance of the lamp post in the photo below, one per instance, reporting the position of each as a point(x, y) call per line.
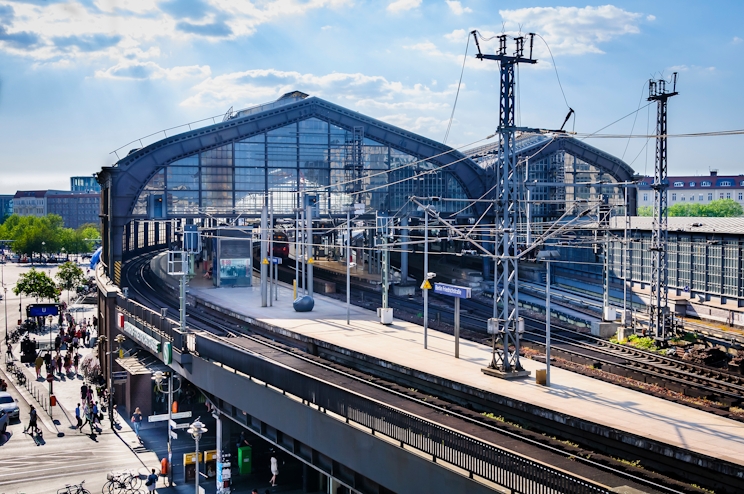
point(159, 377)
point(7, 341)
point(426, 274)
point(196, 430)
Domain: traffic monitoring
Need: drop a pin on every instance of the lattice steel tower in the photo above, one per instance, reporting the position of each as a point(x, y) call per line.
point(659, 318)
point(506, 204)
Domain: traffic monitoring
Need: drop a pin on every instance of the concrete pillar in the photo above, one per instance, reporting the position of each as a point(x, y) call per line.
point(310, 249)
point(404, 238)
point(264, 253)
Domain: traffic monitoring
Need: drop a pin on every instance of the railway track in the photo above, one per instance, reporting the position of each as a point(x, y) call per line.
point(137, 274)
point(697, 381)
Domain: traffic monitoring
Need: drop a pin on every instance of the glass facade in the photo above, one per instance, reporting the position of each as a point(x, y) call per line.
point(309, 156)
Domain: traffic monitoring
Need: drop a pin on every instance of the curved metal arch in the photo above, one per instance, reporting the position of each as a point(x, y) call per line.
point(132, 173)
point(617, 168)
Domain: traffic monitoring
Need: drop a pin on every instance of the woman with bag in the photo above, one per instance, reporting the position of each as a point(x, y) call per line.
point(152, 481)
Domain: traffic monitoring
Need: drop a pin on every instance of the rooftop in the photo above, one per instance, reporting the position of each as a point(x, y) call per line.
point(734, 226)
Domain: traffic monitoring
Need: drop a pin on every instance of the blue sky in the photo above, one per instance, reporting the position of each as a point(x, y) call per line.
point(81, 78)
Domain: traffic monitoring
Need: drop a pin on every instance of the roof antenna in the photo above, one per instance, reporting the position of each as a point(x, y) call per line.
point(570, 112)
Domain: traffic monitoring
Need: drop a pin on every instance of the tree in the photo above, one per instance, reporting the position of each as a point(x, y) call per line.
point(645, 211)
point(723, 208)
point(70, 276)
point(36, 284)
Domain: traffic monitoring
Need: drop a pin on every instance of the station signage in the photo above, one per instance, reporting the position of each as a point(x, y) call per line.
point(141, 337)
point(42, 310)
point(452, 290)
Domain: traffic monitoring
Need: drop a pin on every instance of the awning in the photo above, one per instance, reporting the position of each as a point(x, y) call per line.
point(142, 363)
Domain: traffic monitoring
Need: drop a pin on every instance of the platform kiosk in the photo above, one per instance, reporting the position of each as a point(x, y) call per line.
point(232, 263)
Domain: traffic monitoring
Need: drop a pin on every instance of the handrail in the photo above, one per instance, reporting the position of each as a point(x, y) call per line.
point(223, 117)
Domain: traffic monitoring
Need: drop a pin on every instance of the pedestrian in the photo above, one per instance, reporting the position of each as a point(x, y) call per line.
point(77, 416)
point(243, 441)
point(274, 470)
point(76, 362)
point(96, 418)
point(136, 421)
point(68, 363)
point(48, 362)
point(86, 336)
point(59, 364)
point(57, 343)
point(37, 364)
point(83, 392)
point(32, 425)
point(152, 481)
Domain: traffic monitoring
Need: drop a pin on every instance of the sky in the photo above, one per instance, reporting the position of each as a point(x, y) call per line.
point(81, 78)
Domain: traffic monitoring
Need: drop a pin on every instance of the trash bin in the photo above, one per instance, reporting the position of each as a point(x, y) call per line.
point(210, 463)
point(245, 460)
point(189, 466)
point(541, 376)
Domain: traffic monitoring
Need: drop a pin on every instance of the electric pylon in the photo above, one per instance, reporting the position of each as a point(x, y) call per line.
point(505, 363)
point(659, 318)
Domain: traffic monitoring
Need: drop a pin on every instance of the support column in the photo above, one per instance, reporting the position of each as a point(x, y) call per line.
point(264, 253)
point(310, 250)
point(404, 238)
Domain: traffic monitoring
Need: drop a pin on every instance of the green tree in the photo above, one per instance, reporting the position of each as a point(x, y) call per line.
point(70, 276)
point(36, 284)
point(645, 211)
point(723, 208)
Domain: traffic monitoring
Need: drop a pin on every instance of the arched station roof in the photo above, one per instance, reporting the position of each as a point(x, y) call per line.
point(128, 177)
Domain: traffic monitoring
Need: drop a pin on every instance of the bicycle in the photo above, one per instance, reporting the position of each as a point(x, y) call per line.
point(78, 489)
point(121, 483)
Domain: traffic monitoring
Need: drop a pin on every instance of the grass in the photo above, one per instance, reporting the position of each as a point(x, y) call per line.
point(640, 342)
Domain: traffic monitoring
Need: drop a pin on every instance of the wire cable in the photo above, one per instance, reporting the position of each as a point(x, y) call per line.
point(457, 94)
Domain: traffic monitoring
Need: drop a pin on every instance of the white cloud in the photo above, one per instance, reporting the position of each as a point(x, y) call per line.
point(115, 29)
point(574, 30)
point(457, 8)
point(402, 5)
point(736, 40)
point(457, 36)
point(151, 70)
point(689, 68)
point(369, 94)
point(651, 18)
point(326, 28)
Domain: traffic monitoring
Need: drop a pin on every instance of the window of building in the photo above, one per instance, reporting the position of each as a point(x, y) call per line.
point(645, 197)
point(674, 197)
point(741, 183)
point(692, 184)
point(682, 198)
point(724, 183)
point(741, 196)
point(705, 183)
point(710, 196)
point(692, 197)
point(720, 195)
point(679, 184)
point(728, 195)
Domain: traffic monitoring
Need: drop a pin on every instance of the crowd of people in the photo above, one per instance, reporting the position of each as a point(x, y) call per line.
point(70, 340)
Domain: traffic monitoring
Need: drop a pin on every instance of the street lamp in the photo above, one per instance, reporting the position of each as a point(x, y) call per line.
point(7, 341)
point(196, 430)
point(159, 378)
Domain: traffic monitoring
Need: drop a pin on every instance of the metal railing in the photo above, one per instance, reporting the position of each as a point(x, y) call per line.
point(477, 457)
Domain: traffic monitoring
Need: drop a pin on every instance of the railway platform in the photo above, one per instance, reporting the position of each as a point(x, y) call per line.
point(597, 407)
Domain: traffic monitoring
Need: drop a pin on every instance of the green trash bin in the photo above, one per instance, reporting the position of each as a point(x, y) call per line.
point(245, 460)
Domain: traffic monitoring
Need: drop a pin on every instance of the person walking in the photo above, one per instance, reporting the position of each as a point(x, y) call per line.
point(77, 417)
point(152, 481)
point(86, 414)
point(37, 365)
point(32, 425)
point(76, 362)
point(136, 421)
point(274, 470)
point(96, 418)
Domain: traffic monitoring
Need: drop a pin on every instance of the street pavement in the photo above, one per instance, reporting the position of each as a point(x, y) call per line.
point(64, 456)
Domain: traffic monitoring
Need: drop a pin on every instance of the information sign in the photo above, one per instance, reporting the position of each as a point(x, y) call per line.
point(452, 290)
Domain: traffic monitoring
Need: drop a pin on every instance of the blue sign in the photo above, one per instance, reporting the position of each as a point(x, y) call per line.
point(452, 290)
point(41, 310)
point(275, 260)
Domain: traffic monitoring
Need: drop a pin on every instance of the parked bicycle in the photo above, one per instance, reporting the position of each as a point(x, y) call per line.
point(74, 489)
point(121, 483)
